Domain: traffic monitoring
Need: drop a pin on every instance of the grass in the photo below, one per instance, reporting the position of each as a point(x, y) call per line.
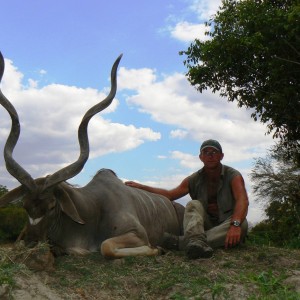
point(8, 271)
point(246, 272)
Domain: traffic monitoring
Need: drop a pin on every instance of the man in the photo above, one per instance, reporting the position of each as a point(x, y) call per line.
point(216, 216)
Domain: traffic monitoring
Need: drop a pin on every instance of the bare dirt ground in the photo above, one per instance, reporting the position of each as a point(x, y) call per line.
point(247, 272)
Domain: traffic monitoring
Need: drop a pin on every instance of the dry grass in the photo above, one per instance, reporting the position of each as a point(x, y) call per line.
point(247, 272)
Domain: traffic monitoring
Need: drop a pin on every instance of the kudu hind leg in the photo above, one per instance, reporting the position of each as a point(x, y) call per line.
point(128, 244)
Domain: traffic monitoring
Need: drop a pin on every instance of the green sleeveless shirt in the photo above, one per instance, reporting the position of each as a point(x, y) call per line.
point(226, 202)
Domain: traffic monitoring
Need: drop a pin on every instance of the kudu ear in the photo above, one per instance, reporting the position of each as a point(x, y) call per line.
point(68, 207)
point(12, 196)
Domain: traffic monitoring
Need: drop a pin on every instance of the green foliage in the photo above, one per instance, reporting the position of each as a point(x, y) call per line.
point(8, 272)
point(253, 58)
point(277, 185)
point(3, 190)
point(271, 286)
point(12, 220)
point(261, 234)
point(268, 234)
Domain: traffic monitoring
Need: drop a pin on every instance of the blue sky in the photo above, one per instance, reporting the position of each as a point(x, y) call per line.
point(58, 56)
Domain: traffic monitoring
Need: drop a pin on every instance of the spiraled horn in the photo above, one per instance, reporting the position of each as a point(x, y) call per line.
point(11, 165)
point(74, 168)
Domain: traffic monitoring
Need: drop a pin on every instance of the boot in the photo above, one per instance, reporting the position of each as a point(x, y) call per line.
point(170, 241)
point(198, 248)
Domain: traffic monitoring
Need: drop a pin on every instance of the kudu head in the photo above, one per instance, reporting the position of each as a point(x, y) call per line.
point(41, 195)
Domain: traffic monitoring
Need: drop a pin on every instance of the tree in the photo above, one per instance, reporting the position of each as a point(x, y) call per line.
point(13, 218)
point(253, 58)
point(276, 184)
point(3, 190)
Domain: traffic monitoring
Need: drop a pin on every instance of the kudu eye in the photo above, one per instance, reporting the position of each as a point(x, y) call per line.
point(51, 205)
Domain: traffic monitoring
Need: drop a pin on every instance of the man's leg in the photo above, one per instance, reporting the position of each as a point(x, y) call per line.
point(216, 236)
point(194, 223)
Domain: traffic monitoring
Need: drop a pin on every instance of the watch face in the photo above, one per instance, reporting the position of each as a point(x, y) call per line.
point(236, 223)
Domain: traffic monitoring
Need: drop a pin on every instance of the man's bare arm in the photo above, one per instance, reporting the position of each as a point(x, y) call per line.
point(240, 211)
point(241, 199)
point(172, 194)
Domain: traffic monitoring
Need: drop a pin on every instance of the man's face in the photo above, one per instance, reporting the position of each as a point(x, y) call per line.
point(211, 157)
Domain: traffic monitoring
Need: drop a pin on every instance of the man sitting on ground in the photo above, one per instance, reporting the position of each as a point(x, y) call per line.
point(216, 216)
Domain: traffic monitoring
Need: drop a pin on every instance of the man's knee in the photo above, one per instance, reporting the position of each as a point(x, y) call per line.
point(194, 205)
point(217, 235)
point(193, 217)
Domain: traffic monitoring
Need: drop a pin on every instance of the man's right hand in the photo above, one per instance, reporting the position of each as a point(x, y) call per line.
point(133, 184)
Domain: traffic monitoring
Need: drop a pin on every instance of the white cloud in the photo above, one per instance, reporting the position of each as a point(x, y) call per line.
point(202, 116)
point(186, 160)
point(205, 9)
point(12, 78)
point(32, 83)
point(135, 78)
point(161, 157)
point(43, 72)
point(187, 32)
point(178, 133)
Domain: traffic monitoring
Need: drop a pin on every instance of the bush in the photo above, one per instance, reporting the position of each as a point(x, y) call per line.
point(261, 234)
point(265, 233)
point(3, 190)
point(12, 220)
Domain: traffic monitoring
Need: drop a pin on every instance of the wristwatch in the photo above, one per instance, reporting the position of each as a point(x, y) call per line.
point(236, 223)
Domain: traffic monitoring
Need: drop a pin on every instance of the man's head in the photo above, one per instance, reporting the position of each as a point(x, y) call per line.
point(211, 153)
